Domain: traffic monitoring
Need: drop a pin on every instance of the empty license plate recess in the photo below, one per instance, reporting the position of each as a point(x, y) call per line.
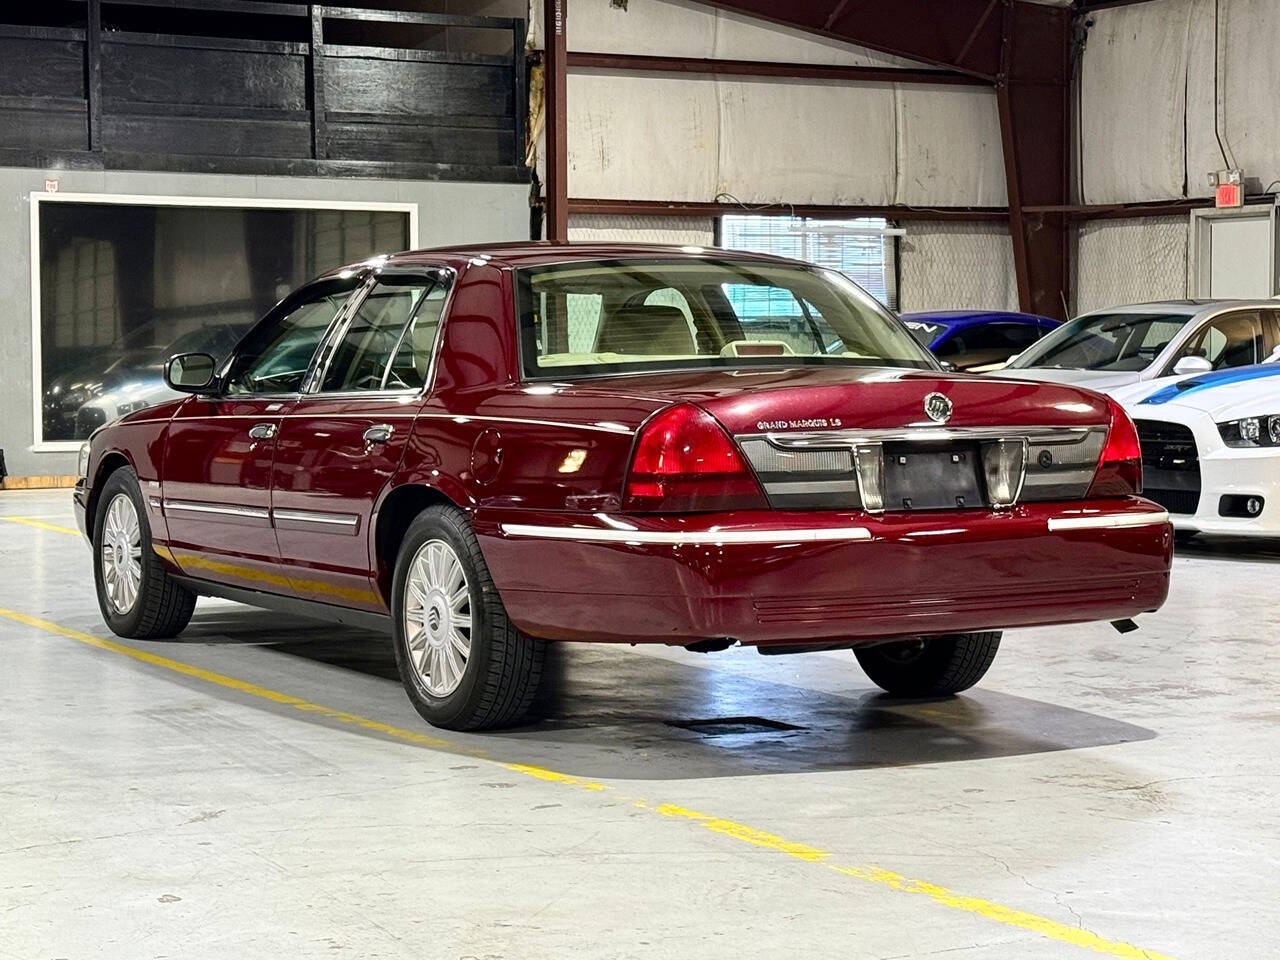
point(932, 477)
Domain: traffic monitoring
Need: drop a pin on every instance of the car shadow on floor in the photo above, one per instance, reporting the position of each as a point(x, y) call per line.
point(607, 712)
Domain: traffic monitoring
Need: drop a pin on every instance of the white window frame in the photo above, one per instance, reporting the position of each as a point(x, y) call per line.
point(38, 198)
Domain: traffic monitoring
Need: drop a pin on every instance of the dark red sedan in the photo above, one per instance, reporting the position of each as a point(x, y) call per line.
point(486, 449)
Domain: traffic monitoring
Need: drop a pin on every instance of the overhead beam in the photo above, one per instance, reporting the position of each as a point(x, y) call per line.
point(957, 34)
point(555, 65)
point(757, 68)
point(663, 208)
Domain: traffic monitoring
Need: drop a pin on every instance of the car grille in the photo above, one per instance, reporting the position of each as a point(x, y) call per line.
point(1170, 465)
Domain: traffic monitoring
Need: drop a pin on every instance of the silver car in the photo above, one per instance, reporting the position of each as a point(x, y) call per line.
point(1123, 345)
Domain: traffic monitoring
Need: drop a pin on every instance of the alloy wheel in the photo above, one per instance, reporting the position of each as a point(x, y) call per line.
point(121, 554)
point(437, 617)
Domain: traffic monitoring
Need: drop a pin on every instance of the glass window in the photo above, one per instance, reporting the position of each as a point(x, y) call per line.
point(385, 329)
point(1105, 341)
point(276, 354)
point(858, 248)
point(125, 286)
point(652, 314)
point(987, 343)
point(1233, 340)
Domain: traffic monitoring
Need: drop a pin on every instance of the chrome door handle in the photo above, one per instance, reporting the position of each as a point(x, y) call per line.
point(262, 431)
point(379, 433)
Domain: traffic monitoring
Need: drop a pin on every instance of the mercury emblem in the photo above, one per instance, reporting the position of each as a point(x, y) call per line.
point(937, 407)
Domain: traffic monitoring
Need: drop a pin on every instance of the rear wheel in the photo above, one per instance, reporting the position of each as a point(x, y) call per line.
point(137, 596)
point(463, 663)
point(930, 666)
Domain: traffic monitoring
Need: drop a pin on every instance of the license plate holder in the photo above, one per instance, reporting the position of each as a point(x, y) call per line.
point(932, 477)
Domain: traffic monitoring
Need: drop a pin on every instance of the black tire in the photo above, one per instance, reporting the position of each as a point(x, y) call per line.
point(503, 667)
point(162, 608)
point(930, 666)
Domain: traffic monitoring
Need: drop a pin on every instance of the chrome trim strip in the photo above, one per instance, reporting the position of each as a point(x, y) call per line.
point(1108, 521)
point(692, 538)
point(787, 487)
point(187, 506)
point(313, 516)
point(601, 426)
point(848, 438)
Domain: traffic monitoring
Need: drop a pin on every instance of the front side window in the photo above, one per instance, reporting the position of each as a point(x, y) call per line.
point(1234, 340)
point(619, 316)
point(1104, 341)
point(277, 353)
point(388, 342)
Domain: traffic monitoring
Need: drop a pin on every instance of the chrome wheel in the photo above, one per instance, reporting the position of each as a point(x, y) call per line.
point(437, 617)
point(121, 554)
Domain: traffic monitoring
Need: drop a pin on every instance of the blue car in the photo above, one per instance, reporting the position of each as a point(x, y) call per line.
point(977, 340)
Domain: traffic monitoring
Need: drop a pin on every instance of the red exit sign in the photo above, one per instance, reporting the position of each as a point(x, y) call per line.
point(1229, 195)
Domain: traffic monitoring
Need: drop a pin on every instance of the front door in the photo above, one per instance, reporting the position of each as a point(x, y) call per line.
point(220, 450)
point(343, 440)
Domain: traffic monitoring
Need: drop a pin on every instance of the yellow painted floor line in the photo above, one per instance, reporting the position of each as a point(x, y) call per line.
point(32, 522)
point(739, 832)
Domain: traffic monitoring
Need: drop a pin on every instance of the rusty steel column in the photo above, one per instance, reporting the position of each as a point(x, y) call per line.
point(1033, 95)
point(555, 63)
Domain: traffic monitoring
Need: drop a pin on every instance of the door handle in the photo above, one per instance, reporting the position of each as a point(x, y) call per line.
point(379, 433)
point(262, 431)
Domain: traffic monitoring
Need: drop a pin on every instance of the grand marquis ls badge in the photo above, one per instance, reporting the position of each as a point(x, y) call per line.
point(937, 407)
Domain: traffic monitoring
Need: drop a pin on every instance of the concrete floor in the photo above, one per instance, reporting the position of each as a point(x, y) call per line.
point(1098, 794)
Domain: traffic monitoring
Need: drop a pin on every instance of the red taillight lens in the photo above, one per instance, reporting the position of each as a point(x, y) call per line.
point(685, 462)
point(1119, 472)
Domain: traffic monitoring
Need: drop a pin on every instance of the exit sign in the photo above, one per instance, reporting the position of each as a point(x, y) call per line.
point(1229, 195)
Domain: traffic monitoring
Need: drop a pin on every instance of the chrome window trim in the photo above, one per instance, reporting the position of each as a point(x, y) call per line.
point(190, 506)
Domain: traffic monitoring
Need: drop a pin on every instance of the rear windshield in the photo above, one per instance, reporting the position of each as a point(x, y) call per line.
point(614, 316)
point(1105, 341)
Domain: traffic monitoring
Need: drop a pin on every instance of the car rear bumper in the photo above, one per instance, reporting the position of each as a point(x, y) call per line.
point(773, 577)
point(79, 500)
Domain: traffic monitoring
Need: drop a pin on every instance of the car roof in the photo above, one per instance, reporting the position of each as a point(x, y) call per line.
point(1186, 308)
point(539, 252)
point(958, 318)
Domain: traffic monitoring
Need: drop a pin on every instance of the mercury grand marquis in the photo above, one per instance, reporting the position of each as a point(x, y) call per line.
point(485, 449)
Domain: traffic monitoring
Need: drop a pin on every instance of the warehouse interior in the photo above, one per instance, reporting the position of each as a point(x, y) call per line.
point(260, 786)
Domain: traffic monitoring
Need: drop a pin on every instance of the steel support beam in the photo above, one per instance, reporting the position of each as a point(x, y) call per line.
point(555, 64)
point(759, 68)
point(662, 208)
point(1033, 98)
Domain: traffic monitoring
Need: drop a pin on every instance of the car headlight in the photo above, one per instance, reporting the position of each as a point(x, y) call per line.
point(1251, 432)
point(83, 466)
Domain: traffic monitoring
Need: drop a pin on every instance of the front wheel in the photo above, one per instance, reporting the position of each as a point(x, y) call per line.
point(463, 663)
point(930, 666)
point(137, 596)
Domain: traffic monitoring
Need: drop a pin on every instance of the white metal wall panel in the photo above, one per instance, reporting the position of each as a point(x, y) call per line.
point(655, 139)
point(696, 231)
point(1129, 261)
point(949, 147)
point(816, 142)
point(951, 265)
point(1133, 92)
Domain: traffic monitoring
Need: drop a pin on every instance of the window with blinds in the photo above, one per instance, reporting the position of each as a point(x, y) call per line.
point(857, 248)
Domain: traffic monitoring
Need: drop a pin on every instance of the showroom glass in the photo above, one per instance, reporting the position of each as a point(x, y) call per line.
point(125, 286)
point(616, 316)
point(1105, 341)
point(276, 355)
point(1232, 340)
point(387, 344)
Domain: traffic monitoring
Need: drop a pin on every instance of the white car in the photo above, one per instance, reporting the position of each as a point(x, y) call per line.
point(1211, 448)
point(1113, 348)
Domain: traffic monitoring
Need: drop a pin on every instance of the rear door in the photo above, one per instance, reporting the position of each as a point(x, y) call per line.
point(346, 434)
point(220, 450)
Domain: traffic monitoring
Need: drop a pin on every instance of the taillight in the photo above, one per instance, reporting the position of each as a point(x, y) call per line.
point(1119, 472)
point(685, 462)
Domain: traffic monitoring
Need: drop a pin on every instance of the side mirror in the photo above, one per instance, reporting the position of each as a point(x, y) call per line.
point(1192, 365)
point(1013, 358)
point(947, 365)
point(190, 372)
